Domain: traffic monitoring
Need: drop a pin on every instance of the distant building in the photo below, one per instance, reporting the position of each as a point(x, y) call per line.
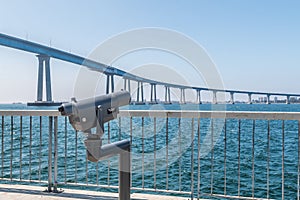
point(261, 99)
point(293, 99)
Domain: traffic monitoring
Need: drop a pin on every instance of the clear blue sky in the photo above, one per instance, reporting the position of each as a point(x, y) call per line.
point(255, 44)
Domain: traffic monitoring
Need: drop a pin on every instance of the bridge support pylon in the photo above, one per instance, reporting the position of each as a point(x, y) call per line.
point(198, 100)
point(127, 85)
point(182, 96)
point(287, 99)
point(215, 100)
point(153, 99)
point(44, 63)
point(140, 93)
point(44, 72)
point(249, 98)
point(232, 97)
point(110, 87)
point(167, 95)
point(268, 99)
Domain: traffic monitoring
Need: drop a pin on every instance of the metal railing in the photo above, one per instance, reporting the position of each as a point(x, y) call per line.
point(26, 143)
point(241, 155)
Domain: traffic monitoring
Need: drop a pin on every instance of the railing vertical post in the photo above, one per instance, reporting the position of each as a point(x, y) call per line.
point(21, 135)
point(239, 157)
point(131, 131)
point(131, 137)
point(76, 154)
point(30, 145)
point(198, 160)
point(108, 161)
point(167, 152)
point(55, 155)
point(154, 154)
point(212, 158)
point(298, 176)
point(282, 163)
point(66, 149)
point(2, 147)
point(225, 155)
point(50, 155)
point(124, 174)
point(179, 145)
point(11, 144)
point(120, 129)
point(143, 149)
point(268, 162)
point(87, 171)
point(97, 173)
point(192, 160)
point(253, 158)
point(40, 148)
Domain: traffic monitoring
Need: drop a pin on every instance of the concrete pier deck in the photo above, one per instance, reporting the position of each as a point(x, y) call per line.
point(25, 192)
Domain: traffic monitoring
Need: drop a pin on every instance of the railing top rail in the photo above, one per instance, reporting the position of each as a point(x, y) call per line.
point(30, 113)
point(211, 114)
point(173, 114)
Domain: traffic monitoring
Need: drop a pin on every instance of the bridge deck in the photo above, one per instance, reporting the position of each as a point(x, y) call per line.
point(25, 192)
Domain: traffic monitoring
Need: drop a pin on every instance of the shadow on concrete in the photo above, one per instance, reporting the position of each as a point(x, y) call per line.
point(72, 195)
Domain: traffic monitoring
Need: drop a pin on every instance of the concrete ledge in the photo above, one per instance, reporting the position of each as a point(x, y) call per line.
point(25, 192)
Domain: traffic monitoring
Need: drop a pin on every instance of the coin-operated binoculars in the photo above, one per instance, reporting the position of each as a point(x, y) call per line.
point(92, 113)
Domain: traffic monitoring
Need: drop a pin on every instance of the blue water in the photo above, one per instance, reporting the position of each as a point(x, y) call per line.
point(177, 173)
point(228, 107)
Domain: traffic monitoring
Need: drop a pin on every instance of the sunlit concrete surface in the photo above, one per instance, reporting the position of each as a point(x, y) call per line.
point(24, 192)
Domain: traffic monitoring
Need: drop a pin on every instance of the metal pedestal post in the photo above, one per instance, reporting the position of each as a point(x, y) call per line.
point(124, 175)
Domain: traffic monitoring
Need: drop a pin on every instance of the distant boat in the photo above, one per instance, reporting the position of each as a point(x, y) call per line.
point(17, 103)
point(44, 103)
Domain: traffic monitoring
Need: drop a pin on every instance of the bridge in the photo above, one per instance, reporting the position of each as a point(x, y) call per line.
point(45, 53)
point(234, 155)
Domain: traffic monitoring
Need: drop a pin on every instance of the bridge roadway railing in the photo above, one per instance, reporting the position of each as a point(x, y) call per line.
point(209, 154)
